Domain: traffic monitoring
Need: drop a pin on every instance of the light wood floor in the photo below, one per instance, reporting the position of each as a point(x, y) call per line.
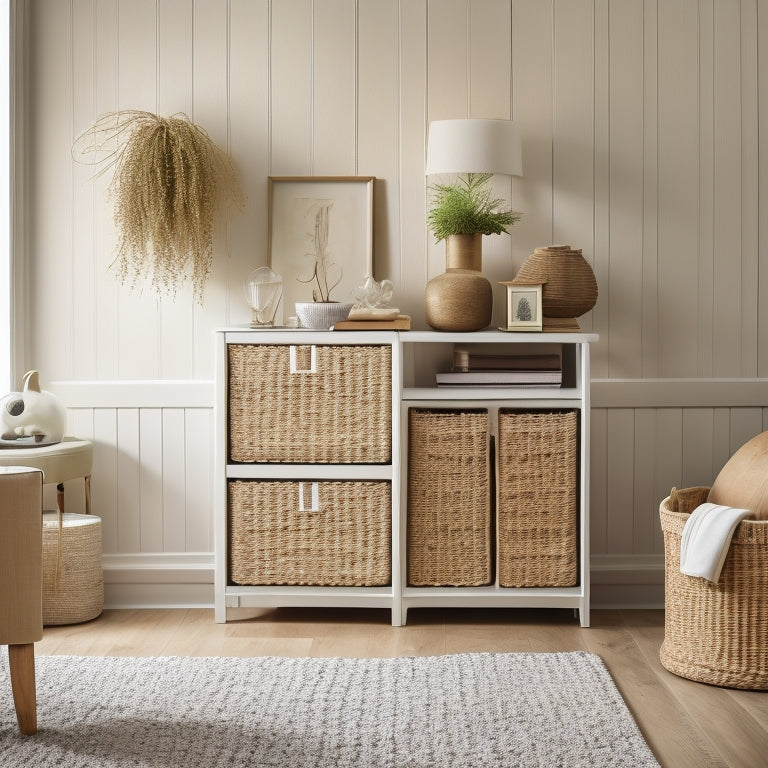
point(685, 723)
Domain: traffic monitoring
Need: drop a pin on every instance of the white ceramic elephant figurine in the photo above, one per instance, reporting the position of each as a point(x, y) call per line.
point(32, 416)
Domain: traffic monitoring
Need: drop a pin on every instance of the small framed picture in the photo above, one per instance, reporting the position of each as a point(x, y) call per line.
point(523, 306)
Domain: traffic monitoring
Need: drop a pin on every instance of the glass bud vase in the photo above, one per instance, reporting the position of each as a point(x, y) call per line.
point(460, 299)
point(263, 291)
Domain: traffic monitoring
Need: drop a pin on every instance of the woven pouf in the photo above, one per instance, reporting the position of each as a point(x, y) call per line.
point(76, 593)
point(716, 633)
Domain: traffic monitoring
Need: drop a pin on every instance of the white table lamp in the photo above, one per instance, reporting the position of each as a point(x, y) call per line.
point(461, 299)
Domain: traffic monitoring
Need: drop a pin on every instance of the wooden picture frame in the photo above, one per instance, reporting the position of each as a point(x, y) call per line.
point(523, 306)
point(295, 203)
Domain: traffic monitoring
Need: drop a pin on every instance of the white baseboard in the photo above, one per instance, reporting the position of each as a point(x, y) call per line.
point(627, 581)
point(185, 580)
point(159, 580)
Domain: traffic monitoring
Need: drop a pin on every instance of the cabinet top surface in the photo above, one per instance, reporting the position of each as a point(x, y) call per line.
point(411, 337)
point(510, 337)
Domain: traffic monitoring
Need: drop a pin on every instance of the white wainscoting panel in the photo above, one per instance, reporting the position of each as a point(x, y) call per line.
point(152, 470)
point(151, 482)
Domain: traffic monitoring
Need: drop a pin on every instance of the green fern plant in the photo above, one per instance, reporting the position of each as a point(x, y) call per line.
point(467, 207)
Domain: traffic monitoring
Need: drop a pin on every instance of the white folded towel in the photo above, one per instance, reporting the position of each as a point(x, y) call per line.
point(706, 539)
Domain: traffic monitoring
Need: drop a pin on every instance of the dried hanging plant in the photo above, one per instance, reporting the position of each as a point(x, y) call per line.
point(169, 181)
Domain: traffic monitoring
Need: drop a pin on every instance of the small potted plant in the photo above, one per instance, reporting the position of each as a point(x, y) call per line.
point(461, 299)
point(467, 208)
point(324, 275)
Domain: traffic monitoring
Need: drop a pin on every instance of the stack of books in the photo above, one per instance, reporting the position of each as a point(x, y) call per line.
point(510, 370)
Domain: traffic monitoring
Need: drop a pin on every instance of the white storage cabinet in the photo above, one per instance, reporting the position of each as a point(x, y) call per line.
point(271, 491)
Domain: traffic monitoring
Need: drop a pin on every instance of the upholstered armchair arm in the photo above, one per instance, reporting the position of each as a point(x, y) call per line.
point(21, 576)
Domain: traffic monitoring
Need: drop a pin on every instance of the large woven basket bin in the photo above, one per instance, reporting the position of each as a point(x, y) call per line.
point(716, 633)
point(310, 404)
point(538, 498)
point(325, 533)
point(449, 501)
point(73, 582)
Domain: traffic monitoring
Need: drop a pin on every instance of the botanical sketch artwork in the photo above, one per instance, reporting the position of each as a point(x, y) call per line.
point(323, 273)
point(523, 312)
point(524, 306)
point(321, 236)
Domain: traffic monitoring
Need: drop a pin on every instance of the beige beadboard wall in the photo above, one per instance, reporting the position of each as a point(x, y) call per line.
point(643, 123)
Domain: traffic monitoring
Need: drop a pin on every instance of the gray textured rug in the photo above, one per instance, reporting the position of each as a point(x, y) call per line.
point(474, 710)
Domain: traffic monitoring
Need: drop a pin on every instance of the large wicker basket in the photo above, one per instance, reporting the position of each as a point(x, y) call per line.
point(310, 404)
point(538, 498)
point(334, 533)
point(449, 502)
point(716, 633)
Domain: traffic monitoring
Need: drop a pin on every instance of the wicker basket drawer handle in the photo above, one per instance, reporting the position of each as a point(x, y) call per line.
point(292, 351)
point(314, 495)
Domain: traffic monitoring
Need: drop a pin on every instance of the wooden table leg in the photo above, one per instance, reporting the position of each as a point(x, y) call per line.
point(60, 497)
point(87, 494)
point(21, 660)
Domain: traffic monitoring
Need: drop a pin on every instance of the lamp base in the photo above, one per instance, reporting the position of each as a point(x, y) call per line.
point(459, 300)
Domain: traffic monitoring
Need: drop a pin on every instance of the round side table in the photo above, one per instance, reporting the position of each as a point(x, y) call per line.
point(67, 460)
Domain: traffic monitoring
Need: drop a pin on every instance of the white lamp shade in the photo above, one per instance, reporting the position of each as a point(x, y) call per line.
point(474, 146)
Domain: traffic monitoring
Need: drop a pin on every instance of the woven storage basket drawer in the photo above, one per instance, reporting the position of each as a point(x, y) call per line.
point(310, 404)
point(716, 633)
point(325, 533)
point(449, 500)
point(537, 498)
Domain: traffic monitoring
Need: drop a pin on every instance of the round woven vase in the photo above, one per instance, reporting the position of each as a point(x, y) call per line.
point(460, 299)
point(570, 288)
